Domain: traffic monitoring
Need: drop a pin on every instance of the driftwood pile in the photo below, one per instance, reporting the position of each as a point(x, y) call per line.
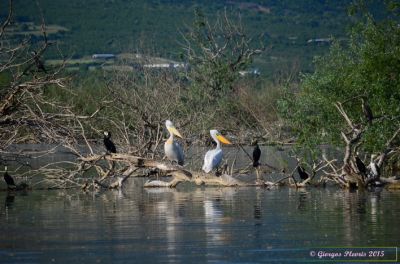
point(178, 173)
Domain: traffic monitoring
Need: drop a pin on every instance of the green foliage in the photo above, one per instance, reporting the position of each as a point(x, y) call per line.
point(366, 67)
point(154, 27)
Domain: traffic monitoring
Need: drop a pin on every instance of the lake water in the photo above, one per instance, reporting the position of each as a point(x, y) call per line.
point(192, 224)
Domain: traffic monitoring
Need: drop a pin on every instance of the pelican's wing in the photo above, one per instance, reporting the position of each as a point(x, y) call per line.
point(212, 159)
point(207, 166)
point(179, 153)
point(174, 152)
point(169, 151)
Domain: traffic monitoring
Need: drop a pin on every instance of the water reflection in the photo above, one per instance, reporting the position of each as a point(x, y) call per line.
point(375, 211)
point(258, 206)
point(303, 199)
point(213, 217)
point(191, 224)
point(10, 197)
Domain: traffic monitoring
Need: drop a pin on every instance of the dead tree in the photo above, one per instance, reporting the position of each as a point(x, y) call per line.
point(21, 99)
point(349, 174)
point(217, 52)
point(307, 178)
point(27, 115)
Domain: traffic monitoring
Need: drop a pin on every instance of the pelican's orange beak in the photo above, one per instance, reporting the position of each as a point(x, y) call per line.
point(223, 140)
point(174, 131)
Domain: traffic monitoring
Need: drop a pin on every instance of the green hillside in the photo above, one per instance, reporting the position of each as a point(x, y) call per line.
point(155, 26)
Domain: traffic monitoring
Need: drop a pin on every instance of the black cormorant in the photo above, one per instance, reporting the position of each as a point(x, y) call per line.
point(256, 154)
point(367, 111)
point(361, 166)
point(302, 173)
point(108, 143)
point(9, 179)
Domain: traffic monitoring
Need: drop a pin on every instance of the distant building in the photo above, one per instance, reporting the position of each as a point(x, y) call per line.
point(157, 65)
point(255, 72)
point(165, 65)
point(105, 56)
point(319, 40)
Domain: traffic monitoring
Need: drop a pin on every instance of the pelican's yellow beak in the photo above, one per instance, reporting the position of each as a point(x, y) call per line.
point(223, 139)
point(174, 131)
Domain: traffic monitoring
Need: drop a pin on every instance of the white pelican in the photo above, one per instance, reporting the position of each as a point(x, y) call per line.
point(172, 149)
point(213, 157)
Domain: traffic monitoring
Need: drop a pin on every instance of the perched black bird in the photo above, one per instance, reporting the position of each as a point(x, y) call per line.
point(9, 180)
point(256, 154)
point(108, 143)
point(367, 111)
point(361, 166)
point(302, 173)
point(39, 64)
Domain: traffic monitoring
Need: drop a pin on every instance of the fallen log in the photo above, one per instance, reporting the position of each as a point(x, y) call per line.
point(179, 174)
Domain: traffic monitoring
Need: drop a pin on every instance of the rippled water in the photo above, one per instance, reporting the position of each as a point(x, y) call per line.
point(192, 224)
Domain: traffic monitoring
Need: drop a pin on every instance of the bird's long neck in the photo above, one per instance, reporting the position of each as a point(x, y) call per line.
point(217, 141)
point(170, 140)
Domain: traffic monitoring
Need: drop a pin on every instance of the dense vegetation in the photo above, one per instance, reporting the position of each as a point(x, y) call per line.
point(155, 27)
point(365, 68)
point(356, 75)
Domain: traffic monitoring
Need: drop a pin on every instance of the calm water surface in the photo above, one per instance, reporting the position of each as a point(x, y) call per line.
point(192, 224)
